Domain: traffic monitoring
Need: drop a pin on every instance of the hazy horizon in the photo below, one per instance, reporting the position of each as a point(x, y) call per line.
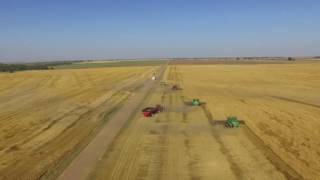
point(70, 30)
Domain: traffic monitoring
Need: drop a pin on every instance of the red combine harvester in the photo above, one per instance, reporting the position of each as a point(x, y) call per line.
point(150, 111)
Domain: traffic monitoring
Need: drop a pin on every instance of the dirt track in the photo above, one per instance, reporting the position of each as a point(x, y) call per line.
point(181, 143)
point(48, 116)
point(84, 163)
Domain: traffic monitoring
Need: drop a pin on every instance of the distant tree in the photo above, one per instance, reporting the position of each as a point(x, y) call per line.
point(291, 59)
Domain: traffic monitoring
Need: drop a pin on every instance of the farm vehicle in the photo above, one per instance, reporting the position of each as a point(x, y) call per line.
point(232, 122)
point(176, 87)
point(195, 102)
point(151, 111)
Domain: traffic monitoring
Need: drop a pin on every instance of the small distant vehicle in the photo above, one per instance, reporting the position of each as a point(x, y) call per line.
point(232, 122)
point(154, 77)
point(195, 102)
point(176, 87)
point(151, 111)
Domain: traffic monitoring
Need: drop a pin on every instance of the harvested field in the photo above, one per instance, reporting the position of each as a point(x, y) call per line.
point(48, 116)
point(280, 103)
point(183, 143)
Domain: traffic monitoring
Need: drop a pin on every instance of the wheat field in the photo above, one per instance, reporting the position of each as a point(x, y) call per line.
point(280, 103)
point(46, 115)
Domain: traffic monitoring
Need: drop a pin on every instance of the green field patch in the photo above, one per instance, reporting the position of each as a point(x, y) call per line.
point(97, 64)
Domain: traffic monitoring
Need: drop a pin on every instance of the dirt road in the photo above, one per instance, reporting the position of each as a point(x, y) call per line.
point(84, 163)
point(48, 116)
point(181, 143)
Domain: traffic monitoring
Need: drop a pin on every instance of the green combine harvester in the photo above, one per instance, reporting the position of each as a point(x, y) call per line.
point(232, 122)
point(196, 102)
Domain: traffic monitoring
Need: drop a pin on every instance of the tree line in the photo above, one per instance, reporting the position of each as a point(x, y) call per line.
point(22, 67)
point(33, 66)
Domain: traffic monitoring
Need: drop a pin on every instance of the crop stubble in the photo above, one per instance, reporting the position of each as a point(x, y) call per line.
point(182, 144)
point(48, 115)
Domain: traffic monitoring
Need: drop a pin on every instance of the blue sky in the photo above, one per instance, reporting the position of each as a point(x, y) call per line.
point(33, 30)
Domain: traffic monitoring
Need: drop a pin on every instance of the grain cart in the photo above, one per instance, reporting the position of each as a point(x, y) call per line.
point(150, 111)
point(176, 87)
point(232, 122)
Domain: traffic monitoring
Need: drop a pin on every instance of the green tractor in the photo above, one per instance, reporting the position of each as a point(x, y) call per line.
point(196, 102)
point(232, 122)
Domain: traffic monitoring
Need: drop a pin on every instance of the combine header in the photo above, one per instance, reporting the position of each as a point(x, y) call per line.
point(231, 122)
point(194, 102)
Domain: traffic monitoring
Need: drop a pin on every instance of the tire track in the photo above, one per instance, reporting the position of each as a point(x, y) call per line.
point(234, 166)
